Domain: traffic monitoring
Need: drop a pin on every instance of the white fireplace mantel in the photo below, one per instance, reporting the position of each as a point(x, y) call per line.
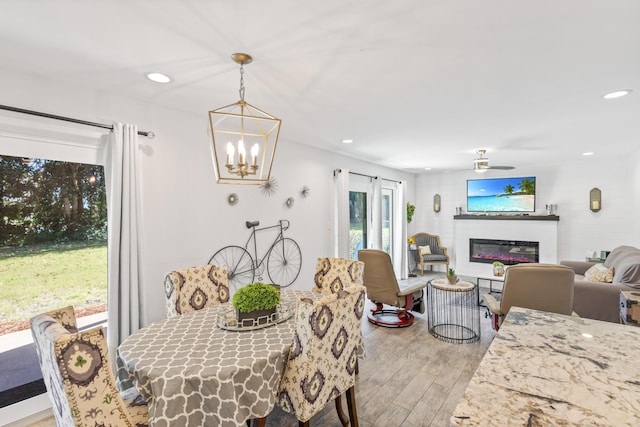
point(542, 229)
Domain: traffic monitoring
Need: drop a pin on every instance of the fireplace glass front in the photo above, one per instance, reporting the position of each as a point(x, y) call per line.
point(508, 252)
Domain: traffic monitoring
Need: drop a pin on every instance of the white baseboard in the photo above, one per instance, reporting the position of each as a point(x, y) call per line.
point(26, 412)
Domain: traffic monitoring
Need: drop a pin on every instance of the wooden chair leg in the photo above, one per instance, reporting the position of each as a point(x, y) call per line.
point(351, 404)
point(303, 424)
point(257, 422)
point(343, 418)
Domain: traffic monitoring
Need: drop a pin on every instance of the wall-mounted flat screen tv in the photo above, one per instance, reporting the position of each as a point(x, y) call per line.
point(501, 194)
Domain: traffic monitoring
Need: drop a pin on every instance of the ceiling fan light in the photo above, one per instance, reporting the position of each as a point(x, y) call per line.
point(480, 165)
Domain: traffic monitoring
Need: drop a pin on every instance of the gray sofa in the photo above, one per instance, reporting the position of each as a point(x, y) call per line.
point(601, 301)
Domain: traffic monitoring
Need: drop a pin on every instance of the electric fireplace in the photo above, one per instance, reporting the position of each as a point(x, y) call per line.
point(508, 252)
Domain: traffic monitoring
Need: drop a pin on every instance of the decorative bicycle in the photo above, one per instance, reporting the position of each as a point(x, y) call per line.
point(283, 258)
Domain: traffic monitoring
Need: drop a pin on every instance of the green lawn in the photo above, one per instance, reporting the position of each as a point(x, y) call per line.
point(39, 278)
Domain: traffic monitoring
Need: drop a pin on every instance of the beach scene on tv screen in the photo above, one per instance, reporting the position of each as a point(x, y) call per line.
point(501, 195)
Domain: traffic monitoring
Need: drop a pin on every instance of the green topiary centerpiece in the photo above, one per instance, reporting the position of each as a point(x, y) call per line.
point(256, 301)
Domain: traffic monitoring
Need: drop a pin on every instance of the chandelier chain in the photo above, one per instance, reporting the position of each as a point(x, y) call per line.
point(241, 82)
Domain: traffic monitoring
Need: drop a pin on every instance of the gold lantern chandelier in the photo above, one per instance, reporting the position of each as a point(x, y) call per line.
point(238, 127)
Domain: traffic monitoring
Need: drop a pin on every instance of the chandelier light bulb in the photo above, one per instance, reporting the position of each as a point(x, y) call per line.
point(254, 154)
point(230, 153)
point(242, 153)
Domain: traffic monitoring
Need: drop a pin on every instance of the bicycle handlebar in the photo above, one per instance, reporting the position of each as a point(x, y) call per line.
point(282, 224)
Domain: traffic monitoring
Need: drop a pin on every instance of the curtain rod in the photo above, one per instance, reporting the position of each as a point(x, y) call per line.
point(370, 176)
point(148, 134)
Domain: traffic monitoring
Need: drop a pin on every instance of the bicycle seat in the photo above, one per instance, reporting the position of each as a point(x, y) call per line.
point(252, 224)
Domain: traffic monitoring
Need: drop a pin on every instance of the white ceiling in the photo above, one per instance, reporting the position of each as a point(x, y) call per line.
point(416, 83)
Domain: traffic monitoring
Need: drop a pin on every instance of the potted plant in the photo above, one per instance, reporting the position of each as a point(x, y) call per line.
point(256, 301)
point(410, 211)
point(498, 268)
point(451, 276)
point(412, 243)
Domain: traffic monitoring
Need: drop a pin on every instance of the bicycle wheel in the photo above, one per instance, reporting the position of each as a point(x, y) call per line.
point(238, 263)
point(284, 262)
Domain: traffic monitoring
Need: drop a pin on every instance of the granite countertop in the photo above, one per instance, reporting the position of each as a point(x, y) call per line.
point(546, 369)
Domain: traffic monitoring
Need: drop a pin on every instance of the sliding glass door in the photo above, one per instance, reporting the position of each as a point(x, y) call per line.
point(358, 222)
point(387, 220)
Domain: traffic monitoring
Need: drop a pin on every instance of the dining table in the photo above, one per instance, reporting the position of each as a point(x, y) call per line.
point(192, 372)
point(547, 369)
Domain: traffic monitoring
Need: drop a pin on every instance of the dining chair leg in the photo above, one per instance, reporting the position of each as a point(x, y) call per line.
point(303, 424)
point(257, 422)
point(343, 418)
point(351, 404)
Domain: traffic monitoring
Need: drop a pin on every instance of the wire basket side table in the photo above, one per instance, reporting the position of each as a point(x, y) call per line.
point(453, 315)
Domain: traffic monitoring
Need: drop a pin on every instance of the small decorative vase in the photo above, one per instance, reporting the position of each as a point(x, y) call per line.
point(452, 279)
point(498, 270)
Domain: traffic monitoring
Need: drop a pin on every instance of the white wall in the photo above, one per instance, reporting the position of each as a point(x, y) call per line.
point(565, 184)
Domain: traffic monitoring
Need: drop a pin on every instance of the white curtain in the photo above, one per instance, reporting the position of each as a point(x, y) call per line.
point(124, 215)
point(375, 241)
point(341, 237)
point(400, 263)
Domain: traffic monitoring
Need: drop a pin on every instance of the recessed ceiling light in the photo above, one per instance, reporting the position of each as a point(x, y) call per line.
point(588, 153)
point(347, 141)
point(427, 169)
point(617, 94)
point(159, 77)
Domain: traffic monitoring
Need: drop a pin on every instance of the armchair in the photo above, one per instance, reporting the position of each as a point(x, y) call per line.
point(545, 287)
point(195, 288)
point(435, 254)
point(382, 288)
point(76, 370)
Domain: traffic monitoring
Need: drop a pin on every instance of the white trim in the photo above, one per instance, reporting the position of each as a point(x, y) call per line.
point(26, 412)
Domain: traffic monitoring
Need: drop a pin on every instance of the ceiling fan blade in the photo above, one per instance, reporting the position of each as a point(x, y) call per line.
point(504, 168)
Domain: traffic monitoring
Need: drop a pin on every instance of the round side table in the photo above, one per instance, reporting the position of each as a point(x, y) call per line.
point(453, 315)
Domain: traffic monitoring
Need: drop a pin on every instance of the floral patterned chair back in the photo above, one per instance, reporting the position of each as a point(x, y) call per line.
point(78, 376)
point(195, 288)
point(335, 274)
point(323, 358)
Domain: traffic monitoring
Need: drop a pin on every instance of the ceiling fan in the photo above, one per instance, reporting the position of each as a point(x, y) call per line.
point(481, 164)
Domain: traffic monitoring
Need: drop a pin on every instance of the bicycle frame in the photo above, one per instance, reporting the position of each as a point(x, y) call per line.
point(283, 224)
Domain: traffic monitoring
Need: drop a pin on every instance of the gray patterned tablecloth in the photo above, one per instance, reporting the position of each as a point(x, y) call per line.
point(192, 373)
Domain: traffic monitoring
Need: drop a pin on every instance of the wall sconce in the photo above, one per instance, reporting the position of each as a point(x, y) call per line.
point(595, 200)
point(436, 203)
point(240, 127)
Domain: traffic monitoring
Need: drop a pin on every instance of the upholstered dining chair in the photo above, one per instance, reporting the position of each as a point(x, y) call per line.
point(334, 274)
point(195, 288)
point(323, 357)
point(383, 288)
point(77, 373)
point(429, 251)
point(544, 287)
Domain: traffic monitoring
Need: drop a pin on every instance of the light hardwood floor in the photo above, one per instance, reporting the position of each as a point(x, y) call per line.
point(408, 378)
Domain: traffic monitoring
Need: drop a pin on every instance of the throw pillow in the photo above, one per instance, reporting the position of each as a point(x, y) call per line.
point(424, 250)
point(599, 273)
